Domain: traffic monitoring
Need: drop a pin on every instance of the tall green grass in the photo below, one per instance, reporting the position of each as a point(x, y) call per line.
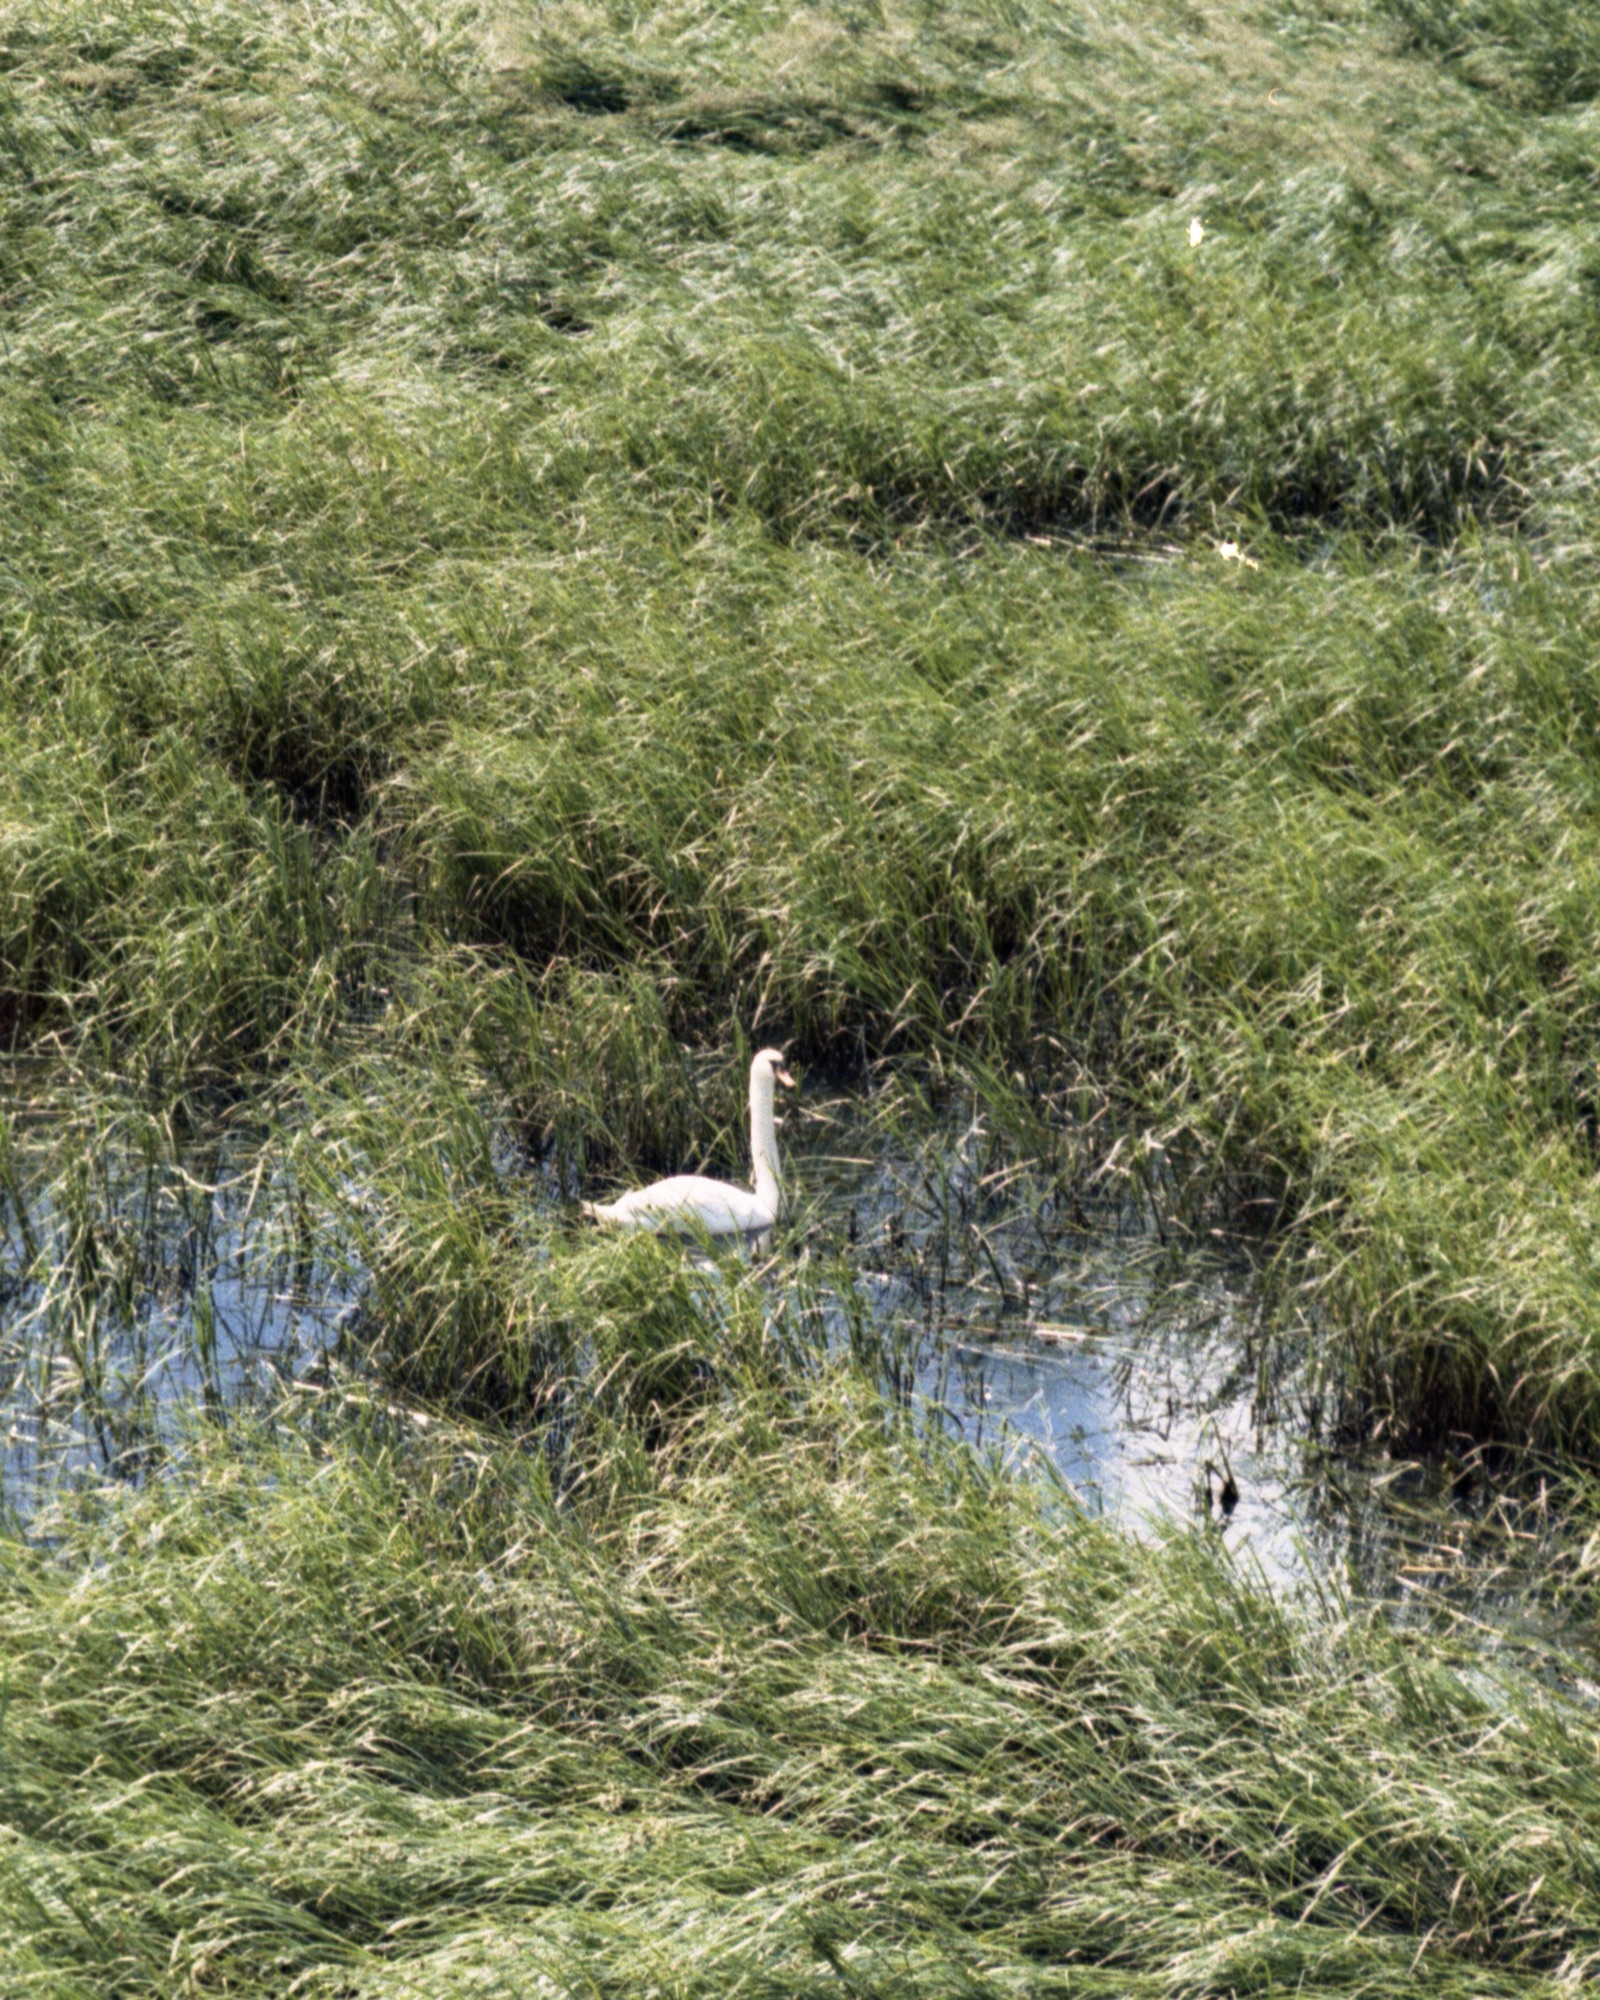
point(784, 1705)
point(542, 546)
point(724, 510)
point(1275, 850)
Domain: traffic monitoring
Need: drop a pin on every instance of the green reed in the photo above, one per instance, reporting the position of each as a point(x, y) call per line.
point(775, 1698)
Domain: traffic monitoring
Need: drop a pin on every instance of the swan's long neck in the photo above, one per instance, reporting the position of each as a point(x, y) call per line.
point(764, 1141)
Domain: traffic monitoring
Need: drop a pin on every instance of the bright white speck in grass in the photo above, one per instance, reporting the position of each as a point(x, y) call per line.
point(1196, 233)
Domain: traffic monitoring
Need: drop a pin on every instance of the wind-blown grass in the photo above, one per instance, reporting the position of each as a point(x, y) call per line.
point(788, 1705)
point(537, 551)
point(676, 502)
point(149, 904)
point(1276, 847)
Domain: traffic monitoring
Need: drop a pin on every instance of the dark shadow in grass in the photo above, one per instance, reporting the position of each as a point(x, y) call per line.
point(217, 322)
point(19, 45)
point(768, 125)
point(790, 123)
point(887, 111)
point(597, 89)
point(115, 74)
point(230, 260)
point(526, 295)
point(1537, 55)
point(1432, 501)
point(228, 209)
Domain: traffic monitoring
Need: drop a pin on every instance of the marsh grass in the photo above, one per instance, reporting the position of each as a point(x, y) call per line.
point(542, 554)
point(1291, 882)
point(725, 512)
point(150, 1268)
point(1535, 56)
point(781, 1702)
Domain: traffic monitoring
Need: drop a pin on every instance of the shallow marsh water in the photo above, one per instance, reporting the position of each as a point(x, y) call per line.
point(1146, 1371)
point(143, 1279)
point(1049, 1327)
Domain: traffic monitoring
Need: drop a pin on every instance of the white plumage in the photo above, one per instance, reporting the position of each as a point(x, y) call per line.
point(696, 1204)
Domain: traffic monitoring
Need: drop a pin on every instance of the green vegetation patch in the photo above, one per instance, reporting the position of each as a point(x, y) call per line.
point(792, 1705)
point(1045, 545)
point(1057, 541)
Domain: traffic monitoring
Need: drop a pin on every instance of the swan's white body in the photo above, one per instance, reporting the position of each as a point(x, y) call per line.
point(697, 1205)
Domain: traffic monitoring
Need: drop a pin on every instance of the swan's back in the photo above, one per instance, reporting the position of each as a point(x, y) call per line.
point(694, 1203)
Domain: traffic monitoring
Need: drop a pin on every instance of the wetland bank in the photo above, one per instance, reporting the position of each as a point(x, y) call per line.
point(543, 550)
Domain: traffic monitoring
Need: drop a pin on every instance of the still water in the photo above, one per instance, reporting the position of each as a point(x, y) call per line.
point(140, 1280)
point(1152, 1374)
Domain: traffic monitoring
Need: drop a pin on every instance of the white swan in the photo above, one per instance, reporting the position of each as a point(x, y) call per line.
point(695, 1204)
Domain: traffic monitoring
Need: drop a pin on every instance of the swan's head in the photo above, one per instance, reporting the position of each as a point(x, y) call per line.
point(769, 1066)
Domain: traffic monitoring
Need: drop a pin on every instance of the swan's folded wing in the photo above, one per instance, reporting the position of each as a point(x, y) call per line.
point(690, 1202)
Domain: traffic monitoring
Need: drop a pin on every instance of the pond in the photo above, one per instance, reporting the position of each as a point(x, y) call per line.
point(1152, 1373)
point(1050, 1325)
